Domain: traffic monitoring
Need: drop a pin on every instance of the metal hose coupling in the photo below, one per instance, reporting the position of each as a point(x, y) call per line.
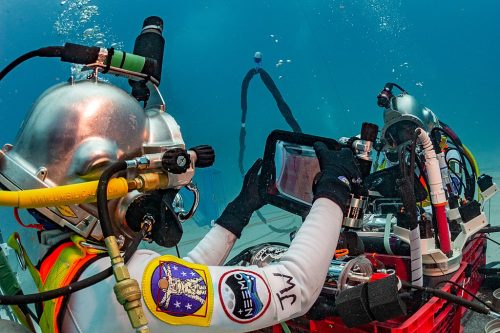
point(126, 289)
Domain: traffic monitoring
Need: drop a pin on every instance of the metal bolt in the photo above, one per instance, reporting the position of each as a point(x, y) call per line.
point(181, 160)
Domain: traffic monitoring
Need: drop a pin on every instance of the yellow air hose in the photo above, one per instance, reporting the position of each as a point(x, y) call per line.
point(62, 195)
point(473, 160)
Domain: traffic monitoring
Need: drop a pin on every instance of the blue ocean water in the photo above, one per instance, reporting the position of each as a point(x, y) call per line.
point(341, 54)
point(329, 59)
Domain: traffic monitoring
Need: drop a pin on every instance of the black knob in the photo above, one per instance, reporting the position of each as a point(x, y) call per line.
point(369, 132)
point(205, 156)
point(484, 182)
point(176, 160)
point(384, 98)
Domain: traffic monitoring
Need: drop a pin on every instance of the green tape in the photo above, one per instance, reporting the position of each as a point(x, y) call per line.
point(8, 281)
point(116, 59)
point(134, 63)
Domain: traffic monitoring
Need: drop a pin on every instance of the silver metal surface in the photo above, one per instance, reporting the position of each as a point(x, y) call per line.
point(355, 212)
point(406, 107)
point(353, 272)
point(22, 253)
point(192, 187)
point(178, 204)
point(120, 212)
point(162, 132)
point(75, 130)
point(493, 326)
point(102, 55)
point(496, 300)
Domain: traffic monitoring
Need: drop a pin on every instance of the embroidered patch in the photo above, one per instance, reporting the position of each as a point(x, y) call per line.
point(178, 292)
point(244, 295)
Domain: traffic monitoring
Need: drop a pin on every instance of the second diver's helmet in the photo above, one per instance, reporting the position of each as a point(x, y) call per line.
point(402, 115)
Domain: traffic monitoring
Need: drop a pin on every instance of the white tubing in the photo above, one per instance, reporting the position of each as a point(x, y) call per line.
point(437, 194)
point(416, 257)
point(438, 197)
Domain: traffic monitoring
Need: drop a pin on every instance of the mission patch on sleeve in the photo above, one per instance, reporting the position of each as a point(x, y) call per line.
point(244, 295)
point(178, 292)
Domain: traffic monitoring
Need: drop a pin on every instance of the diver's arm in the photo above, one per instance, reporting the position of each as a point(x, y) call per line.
point(287, 289)
point(214, 248)
point(265, 295)
point(221, 298)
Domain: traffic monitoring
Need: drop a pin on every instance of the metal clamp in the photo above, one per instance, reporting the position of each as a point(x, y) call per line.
point(193, 188)
point(21, 253)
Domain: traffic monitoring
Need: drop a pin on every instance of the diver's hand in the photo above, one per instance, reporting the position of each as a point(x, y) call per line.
point(249, 196)
point(238, 212)
point(338, 171)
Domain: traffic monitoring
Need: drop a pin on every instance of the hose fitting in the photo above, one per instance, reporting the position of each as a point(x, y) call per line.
point(126, 289)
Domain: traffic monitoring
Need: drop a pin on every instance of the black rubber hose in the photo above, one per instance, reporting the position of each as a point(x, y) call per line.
point(413, 153)
point(75, 286)
point(451, 298)
point(244, 93)
point(102, 196)
point(50, 51)
point(406, 188)
point(282, 106)
point(244, 107)
point(488, 230)
point(285, 110)
point(470, 188)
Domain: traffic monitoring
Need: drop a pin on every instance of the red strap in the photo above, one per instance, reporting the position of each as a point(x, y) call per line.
point(18, 219)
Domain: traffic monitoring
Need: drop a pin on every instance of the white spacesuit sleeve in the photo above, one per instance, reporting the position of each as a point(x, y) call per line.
point(214, 248)
point(197, 298)
point(284, 290)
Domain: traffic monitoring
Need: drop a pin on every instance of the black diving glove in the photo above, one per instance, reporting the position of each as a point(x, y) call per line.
point(238, 212)
point(338, 171)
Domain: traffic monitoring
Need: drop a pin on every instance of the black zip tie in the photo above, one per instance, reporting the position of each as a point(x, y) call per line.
point(111, 52)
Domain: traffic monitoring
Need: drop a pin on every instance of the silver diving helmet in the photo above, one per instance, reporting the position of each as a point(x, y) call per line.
point(73, 132)
point(402, 115)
